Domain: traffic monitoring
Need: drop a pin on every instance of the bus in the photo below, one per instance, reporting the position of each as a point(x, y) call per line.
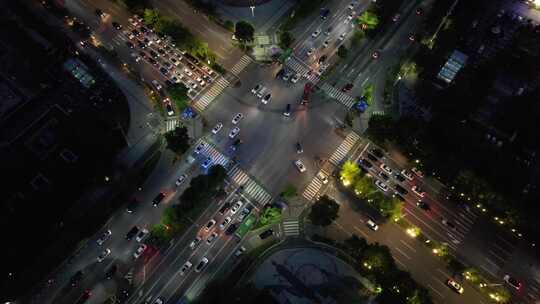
point(245, 226)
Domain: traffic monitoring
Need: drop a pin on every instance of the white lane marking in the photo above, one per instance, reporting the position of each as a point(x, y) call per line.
point(408, 246)
point(444, 273)
point(435, 290)
point(497, 256)
point(361, 232)
point(430, 227)
point(400, 263)
point(489, 271)
point(365, 80)
point(506, 241)
point(502, 249)
point(403, 253)
point(341, 227)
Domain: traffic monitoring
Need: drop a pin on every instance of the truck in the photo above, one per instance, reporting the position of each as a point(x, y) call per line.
point(245, 226)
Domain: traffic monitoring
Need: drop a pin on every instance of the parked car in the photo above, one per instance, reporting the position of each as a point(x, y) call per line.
point(141, 235)
point(104, 237)
point(196, 241)
point(266, 234)
point(372, 225)
point(201, 264)
point(454, 285)
point(140, 250)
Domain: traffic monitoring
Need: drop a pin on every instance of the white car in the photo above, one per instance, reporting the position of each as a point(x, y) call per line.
point(381, 185)
point(188, 72)
point(300, 166)
point(185, 268)
point(371, 224)
point(310, 51)
point(342, 36)
point(103, 255)
point(195, 243)
point(209, 225)
point(217, 128)
point(418, 191)
point(211, 238)
point(322, 177)
point(157, 85)
point(236, 119)
point(256, 89)
point(351, 6)
point(316, 34)
point(386, 169)
point(139, 251)
point(295, 78)
point(349, 18)
point(104, 237)
point(408, 175)
point(236, 207)
point(141, 235)
point(266, 98)
point(225, 222)
point(180, 180)
point(200, 147)
point(234, 132)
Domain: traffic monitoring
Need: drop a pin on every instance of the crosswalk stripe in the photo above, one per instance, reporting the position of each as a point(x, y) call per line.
point(301, 68)
point(217, 87)
point(171, 124)
point(251, 187)
point(312, 189)
point(291, 227)
point(345, 99)
point(241, 64)
point(344, 148)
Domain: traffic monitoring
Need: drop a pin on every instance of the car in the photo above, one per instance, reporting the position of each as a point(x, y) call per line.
point(130, 45)
point(310, 51)
point(159, 300)
point(143, 29)
point(342, 36)
point(295, 78)
point(239, 251)
point(448, 223)
point(232, 228)
point(512, 282)
point(196, 241)
point(141, 45)
point(454, 285)
point(364, 162)
point(207, 162)
point(286, 76)
point(175, 79)
point(256, 88)
point(153, 54)
point(236, 207)
point(299, 148)
point(236, 119)
point(188, 72)
point(347, 87)
point(407, 174)
point(375, 55)
point(111, 271)
point(174, 61)
point(266, 98)
point(377, 152)
point(326, 43)
point(161, 51)
point(349, 18)
point(351, 6)
point(201, 264)
point(104, 237)
point(266, 234)
point(116, 25)
point(187, 266)
point(300, 166)
point(158, 199)
point(381, 185)
point(236, 144)
point(87, 294)
point(76, 278)
point(141, 235)
point(412, 37)
point(153, 62)
point(138, 58)
point(168, 65)
point(140, 250)
point(211, 238)
point(105, 253)
point(100, 13)
point(418, 191)
point(401, 190)
point(372, 225)
point(234, 132)
point(322, 59)
point(372, 157)
point(245, 212)
point(385, 168)
point(132, 232)
point(399, 177)
point(287, 111)
point(200, 147)
point(423, 205)
point(384, 176)
point(316, 34)
point(328, 31)
point(163, 71)
point(224, 208)
point(417, 172)
point(135, 33)
point(225, 222)
point(419, 11)
point(322, 177)
point(324, 13)
point(396, 17)
point(170, 110)
point(210, 224)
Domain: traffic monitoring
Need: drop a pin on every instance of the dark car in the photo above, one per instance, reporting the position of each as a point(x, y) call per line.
point(111, 272)
point(401, 190)
point(153, 62)
point(399, 177)
point(224, 208)
point(99, 13)
point(323, 59)
point(384, 176)
point(232, 228)
point(76, 278)
point(163, 71)
point(236, 144)
point(377, 152)
point(135, 32)
point(324, 13)
point(287, 110)
point(423, 205)
point(143, 55)
point(143, 29)
point(141, 45)
point(266, 234)
point(364, 162)
point(132, 232)
point(117, 25)
point(132, 206)
point(372, 157)
point(129, 45)
point(347, 87)
point(154, 54)
point(158, 199)
point(280, 73)
point(299, 148)
point(161, 51)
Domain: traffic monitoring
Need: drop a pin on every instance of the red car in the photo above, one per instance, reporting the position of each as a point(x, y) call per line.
point(347, 87)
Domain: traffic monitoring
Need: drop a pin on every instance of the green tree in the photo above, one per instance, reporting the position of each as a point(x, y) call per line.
point(151, 17)
point(244, 31)
point(363, 186)
point(136, 6)
point(390, 207)
point(324, 211)
point(269, 216)
point(289, 191)
point(178, 94)
point(228, 24)
point(178, 140)
point(357, 37)
point(377, 258)
point(159, 235)
point(368, 20)
point(368, 93)
point(342, 51)
point(285, 40)
point(217, 175)
point(349, 172)
point(355, 246)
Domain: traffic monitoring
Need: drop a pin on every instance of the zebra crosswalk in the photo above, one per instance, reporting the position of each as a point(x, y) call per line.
point(210, 151)
point(202, 103)
point(345, 99)
point(291, 227)
point(241, 65)
point(312, 190)
point(377, 113)
point(298, 66)
point(250, 187)
point(171, 124)
point(344, 148)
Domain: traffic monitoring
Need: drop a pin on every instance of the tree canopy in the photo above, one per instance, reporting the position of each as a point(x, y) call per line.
point(244, 31)
point(178, 140)
point(324, 211)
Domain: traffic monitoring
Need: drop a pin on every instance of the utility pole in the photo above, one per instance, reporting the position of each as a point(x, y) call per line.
point(450, 10)
point(252, 7)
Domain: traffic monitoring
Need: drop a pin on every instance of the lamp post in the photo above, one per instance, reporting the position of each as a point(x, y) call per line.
point(252, 7)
